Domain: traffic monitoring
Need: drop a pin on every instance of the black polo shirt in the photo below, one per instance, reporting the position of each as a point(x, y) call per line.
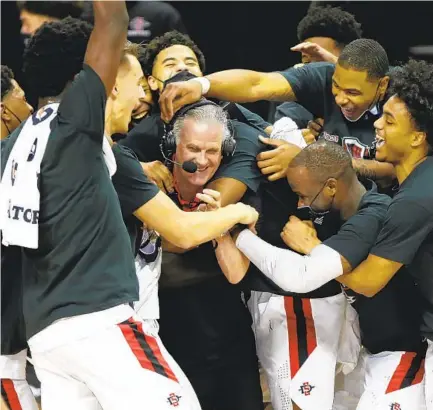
point(84, 262)
point(407, 235)
point(390, 320)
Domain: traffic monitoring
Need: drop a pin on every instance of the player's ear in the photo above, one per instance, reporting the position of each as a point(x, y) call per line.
point(4, 114)
point(115, 91)
point(418, 138)
point(383, 86)
point(153, 84)
point(331, 186)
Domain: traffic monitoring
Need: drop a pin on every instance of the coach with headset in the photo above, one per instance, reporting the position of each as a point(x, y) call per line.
point(204, 322)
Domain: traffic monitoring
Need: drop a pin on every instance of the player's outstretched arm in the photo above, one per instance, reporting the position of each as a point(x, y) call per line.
point(189, 229)
point(107, 40)
point(231, 85)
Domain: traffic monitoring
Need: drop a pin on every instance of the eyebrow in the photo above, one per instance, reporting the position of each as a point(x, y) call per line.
point(168, 59)
point(387, 113)
point(347, 89)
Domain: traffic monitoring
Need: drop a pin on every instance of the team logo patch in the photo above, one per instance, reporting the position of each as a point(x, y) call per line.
point(306, 388)
point(173, 399)
point(356, 148)
point(395, 406)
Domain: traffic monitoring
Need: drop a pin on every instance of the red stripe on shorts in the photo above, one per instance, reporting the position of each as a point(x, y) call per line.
point(135, 346)
point(153, 345)
point(11, 395)
point(400, 372)
point(292, 330)
point(309, 323)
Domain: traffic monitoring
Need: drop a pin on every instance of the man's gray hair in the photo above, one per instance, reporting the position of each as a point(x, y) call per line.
point(205, 113)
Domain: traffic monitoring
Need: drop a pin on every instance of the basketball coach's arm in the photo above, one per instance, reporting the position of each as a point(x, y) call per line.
point(107, 40)
point(189, 229)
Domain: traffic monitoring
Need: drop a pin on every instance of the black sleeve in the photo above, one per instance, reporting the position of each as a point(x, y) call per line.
point(294, 111)
point(132, 186)
point(83, 105)
point(358, 235)
point(406, 226)
point(243, 165)
point(144, 139)
point(311, 84)
point(253, 118)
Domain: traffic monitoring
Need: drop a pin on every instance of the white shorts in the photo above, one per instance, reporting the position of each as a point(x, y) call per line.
point(86, 363)
point(15, 390)
point(393, 381)
point(297, 343)
point(429, 376)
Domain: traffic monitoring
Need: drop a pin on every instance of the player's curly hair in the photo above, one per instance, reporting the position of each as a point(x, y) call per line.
point(331, 22)
point(171, 38)
point(55, 54)
point(56, 9)
point(365, 55)
point(413, 84)
point(7, 77)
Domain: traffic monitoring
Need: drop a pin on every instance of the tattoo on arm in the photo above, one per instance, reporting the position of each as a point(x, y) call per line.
point(365, 168)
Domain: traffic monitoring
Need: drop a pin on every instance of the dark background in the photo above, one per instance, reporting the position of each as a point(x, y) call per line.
point(258, 35)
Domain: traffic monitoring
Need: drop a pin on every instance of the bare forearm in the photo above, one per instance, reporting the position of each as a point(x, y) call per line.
point(373, 169)
point(199, 227)
point(231, 260)
point(249, 86)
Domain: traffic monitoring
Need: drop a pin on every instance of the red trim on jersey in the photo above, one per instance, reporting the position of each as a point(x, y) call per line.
point(12, 396)
point(292, 335)
point(400, 372)
point(309, 323)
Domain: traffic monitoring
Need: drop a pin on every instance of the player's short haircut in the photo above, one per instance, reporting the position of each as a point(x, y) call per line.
point(365, 55)
point(54, 9)
point(413, 84)
point(7, 77)
point(324, 160)
point(169, 39)
point(54, 55)
point(330, 22)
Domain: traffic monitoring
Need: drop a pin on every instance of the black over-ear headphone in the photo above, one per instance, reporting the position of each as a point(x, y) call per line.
point(168, 141)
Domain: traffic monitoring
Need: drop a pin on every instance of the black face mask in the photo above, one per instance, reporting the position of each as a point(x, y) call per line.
point(313, 214)
point(183, 75)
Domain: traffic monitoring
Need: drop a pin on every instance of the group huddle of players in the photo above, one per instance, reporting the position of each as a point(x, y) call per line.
point(160, 242)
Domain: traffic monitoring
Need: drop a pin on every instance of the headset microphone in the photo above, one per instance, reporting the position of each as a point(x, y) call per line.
point(187, 166)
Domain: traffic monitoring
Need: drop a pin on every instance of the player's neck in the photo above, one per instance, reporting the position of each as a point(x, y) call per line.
point(352, 200)
point(407, 165)
point(186, 191)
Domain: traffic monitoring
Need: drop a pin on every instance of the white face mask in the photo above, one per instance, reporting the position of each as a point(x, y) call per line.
point(374, 110)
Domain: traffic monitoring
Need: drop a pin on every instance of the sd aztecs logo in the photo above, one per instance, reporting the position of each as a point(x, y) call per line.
point(356, 148)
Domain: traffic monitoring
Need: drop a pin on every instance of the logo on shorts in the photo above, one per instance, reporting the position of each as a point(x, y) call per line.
point(306, 389)
point(173, 399)
point(395, 406)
